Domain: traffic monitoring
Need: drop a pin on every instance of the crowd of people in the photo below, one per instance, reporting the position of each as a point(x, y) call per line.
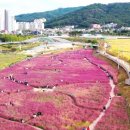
point(11, 77)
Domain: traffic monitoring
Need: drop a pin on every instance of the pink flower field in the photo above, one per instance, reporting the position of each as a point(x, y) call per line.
point(65, 91)
point(113, 114)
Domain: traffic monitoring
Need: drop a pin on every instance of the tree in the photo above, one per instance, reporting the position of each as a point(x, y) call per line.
point(59, 33)
point(75, 33)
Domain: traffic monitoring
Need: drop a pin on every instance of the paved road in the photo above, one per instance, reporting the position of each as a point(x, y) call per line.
point(58, 39)
point(52, 45)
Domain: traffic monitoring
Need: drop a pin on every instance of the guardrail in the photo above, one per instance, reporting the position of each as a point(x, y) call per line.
point(125, 65)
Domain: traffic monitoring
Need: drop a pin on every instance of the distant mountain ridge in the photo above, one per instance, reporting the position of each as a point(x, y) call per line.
point(49, 15)
point(84, 16)
point(96, 13)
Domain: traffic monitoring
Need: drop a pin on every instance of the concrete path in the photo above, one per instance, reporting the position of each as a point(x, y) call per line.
point(112, 95)
point(51, 46)
point(125, 65)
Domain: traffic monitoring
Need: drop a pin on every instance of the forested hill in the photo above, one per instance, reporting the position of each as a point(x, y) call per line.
point(49, 15)
point(95, 13)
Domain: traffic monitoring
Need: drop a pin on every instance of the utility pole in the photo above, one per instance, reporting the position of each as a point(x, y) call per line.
point(118, 60)
point(20, 47)
point(105, 47)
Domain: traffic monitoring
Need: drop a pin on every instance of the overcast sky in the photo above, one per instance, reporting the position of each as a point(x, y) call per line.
point(29, 6)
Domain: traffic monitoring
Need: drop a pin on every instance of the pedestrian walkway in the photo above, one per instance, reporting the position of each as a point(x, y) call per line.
point(125, 65)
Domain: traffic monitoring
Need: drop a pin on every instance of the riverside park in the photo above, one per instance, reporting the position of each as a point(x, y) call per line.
point(57, 84)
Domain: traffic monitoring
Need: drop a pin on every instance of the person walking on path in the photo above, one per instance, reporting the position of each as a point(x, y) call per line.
point(86, 128)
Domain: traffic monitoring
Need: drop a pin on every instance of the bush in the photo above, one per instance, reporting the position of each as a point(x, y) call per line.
point(13, 49)
point(94, 41)
point(13, 38)
point(76, 33)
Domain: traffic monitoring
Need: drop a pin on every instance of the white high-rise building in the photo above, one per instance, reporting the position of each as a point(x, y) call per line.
point(39, 24)
point(2, 21)
point(23, 26)
point(13, 25)
point(7, 22)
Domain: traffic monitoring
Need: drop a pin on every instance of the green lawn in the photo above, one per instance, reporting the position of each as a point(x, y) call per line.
point(18, 47)
point(10, 58)
point(12, 53)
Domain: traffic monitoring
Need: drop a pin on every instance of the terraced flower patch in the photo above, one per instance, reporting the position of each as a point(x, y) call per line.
point(66, 91)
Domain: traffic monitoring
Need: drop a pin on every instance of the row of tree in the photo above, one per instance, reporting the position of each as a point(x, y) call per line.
point(83, 40)
point(13, 38)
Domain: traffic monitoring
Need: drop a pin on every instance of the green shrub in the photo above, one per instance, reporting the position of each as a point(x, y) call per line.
point(13, 38)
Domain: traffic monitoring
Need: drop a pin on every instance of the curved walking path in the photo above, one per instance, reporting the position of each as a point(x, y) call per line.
point(112, 95)
point(125, 65)
point(17, 121)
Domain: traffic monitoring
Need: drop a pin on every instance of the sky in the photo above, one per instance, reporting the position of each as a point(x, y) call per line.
point(30, 6)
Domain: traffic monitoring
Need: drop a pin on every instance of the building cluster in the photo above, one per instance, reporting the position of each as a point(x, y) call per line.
point(64, 31)
point(36, 25)
point(105, 27)
point(8, 24)
point(108, 28)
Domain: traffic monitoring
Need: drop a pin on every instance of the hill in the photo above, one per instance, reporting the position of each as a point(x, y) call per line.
point(49, 15)
point(95, 13)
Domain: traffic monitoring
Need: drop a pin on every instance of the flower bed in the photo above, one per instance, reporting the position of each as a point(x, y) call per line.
point(116, 117)
point(66, 91)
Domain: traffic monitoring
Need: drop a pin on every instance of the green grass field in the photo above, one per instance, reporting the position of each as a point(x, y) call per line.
point(18, 47)
point(10, 53)
point(9, 59)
